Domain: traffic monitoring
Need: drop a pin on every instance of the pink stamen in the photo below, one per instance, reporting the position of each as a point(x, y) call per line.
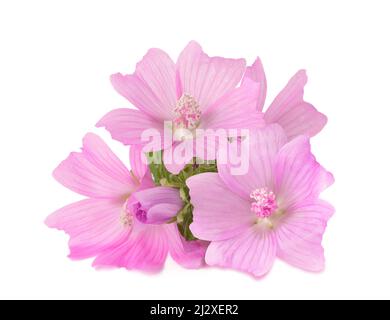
point(187, 113)
point(265, 202)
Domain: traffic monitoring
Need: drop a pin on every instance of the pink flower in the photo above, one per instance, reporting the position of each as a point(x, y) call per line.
point(273, 210)
point(107, 225)
point(288, 109)
point(158, 206)
point(198, 92)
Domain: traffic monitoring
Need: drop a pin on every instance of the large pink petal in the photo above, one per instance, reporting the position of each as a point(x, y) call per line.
point(93, 225)
point(146, 249)
point(235, 110)
point(127, 126)
point(138, 161)
point(291, 95)
point(264, 144)
point(96, 171)
point(174, 167)
point(157, 70)
point(146, 182)
point(141, 96)
point(206, 144)
point(292, 113)
point(298, 176)
point(218, 213)
point(178, 155)
point(207, 78)
point(301, 119)
point(299, 235)
point(252, 251)
point(256, 73)
point(189, 254)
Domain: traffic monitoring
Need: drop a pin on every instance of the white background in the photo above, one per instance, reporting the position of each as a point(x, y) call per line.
point(55, 62)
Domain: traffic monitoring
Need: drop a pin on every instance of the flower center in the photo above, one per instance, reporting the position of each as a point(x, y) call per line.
point(187, 113)
point(140, 213)
point(264, 204)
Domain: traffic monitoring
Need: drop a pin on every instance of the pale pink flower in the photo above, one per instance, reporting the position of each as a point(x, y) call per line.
point(106, 225)
point(288, 109)
point(198, 92)
point(159, 206)
point(273, 210)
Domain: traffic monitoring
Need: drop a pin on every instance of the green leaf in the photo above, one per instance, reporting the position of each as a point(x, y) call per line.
point(184, 220)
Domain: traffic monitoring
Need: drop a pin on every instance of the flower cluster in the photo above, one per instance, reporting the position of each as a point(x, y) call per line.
point(215, 180)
